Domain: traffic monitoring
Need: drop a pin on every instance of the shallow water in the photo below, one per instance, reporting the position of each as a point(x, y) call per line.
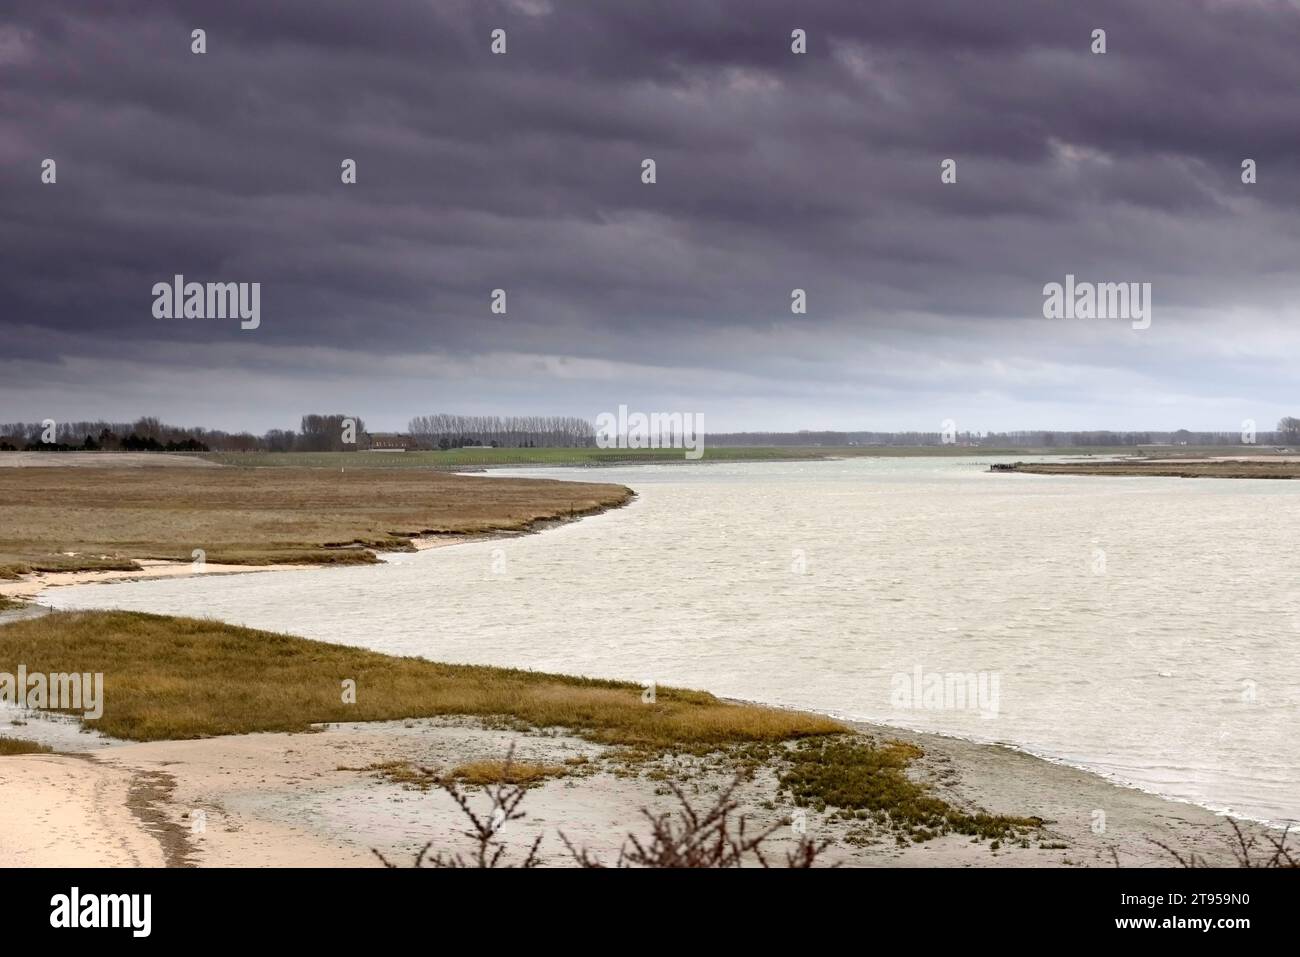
point(1145, 628)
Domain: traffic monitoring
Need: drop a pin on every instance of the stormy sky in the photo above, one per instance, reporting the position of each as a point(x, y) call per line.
point(775, 171)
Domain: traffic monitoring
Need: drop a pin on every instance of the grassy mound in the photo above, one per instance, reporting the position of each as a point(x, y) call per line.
point(178, 678)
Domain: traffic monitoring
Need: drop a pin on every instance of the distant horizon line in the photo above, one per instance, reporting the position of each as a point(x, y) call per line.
point(537, 424)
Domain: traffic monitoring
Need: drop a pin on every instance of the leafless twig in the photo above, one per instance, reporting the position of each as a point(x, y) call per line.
point(1246, 848)
point(490, 850)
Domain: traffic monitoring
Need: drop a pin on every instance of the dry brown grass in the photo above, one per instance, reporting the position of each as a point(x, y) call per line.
point(177, 678)
point(109, 516)
point(477, 773)
point(521, 773)
point(21, 746)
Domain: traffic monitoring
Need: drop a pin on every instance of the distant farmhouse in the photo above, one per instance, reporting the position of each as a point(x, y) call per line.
point(391, 442)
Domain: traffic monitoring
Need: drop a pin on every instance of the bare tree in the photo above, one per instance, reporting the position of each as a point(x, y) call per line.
point(443, 430)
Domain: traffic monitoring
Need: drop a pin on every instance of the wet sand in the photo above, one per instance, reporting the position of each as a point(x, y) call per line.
point(30, 586)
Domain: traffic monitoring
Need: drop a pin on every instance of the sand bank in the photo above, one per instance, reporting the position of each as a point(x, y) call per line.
point(30, 586)
point(306, 800)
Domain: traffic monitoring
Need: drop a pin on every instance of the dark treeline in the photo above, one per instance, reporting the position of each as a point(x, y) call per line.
point(328, 433)
point(444, 431)
point(144, 435)
point(318, 433)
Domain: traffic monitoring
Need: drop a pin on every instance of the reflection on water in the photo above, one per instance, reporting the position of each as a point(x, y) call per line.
point(1144, 628)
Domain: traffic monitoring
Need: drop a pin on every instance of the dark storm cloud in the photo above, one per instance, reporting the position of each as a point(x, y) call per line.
point(775, 171)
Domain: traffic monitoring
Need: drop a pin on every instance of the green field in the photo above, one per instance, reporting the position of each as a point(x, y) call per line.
point(500, 458)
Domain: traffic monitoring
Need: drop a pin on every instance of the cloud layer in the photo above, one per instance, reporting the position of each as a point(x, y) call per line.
point(775, 171)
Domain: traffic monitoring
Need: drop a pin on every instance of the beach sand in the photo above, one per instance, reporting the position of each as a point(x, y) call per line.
point(30, 586)
point(285, 800)
point(62, 811)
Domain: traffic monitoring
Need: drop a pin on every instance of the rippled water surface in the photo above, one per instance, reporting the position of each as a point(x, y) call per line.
point(1146, 629)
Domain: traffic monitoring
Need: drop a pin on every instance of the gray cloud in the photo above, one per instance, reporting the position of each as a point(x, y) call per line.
point(775, 171)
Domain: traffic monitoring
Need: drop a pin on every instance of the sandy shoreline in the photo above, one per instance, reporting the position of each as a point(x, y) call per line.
point(307, 800)
point(31, 586)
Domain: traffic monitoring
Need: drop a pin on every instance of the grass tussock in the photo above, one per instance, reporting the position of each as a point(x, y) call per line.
point(855, 774)
point(521, 773)
point(180, 678)
point(99, 519)
point(408, 775)
point(477, 773)
point(21, 746)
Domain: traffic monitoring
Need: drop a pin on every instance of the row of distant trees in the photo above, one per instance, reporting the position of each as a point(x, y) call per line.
point(144, 435)
point(106, 441)
point(317, 433)
point(340, 432)
point(444, 430)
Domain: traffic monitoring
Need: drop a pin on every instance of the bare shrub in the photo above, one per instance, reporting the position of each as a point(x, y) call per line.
point(489, 850)
point(693, 839)
point(717, 837)
point(1253, 849)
